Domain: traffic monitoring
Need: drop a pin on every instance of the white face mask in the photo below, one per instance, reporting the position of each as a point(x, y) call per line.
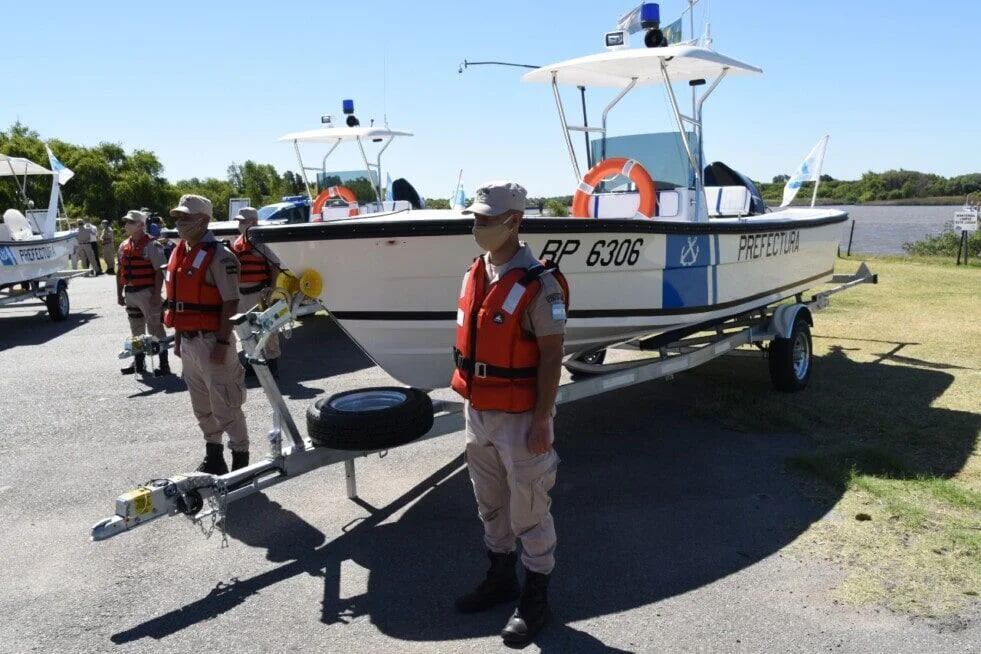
point(491, 237)
point(243, 227)
point(130, 228)
point(192, 229)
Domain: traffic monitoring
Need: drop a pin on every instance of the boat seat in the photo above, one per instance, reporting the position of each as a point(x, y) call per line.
point(16, 226)
point(624, 205)
point(728, 201)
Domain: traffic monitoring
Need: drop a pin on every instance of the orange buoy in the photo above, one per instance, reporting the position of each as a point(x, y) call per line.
point(335, 192)
point(610, 168)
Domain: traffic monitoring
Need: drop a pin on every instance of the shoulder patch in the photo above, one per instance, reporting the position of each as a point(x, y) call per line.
point(554, 297)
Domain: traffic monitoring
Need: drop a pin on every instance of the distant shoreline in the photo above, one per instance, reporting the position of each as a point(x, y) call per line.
point(941, 201)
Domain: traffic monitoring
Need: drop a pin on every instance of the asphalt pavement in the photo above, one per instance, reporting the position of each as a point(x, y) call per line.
point(672, 532)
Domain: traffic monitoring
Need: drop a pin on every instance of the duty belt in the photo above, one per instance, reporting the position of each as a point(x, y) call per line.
point(194, 333)
point(481, 369)
point(180, 307)
point(248, 290)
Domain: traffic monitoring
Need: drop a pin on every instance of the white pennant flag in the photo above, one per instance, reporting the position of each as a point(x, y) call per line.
point(809, 171)
point(64, 173)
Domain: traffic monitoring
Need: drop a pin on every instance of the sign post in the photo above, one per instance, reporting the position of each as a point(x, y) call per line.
point(234, 204)
point(965, 221)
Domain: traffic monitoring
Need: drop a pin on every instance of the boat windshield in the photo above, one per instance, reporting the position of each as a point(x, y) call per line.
point(662, 154)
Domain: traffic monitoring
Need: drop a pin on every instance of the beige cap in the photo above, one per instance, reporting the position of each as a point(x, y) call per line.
point(192, 205)
point(134, 216)
point(496, 198)
point(247, 213)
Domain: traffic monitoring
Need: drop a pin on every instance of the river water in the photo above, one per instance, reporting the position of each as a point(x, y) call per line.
point(883, 230)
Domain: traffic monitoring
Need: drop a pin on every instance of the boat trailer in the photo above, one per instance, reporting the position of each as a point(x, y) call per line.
point(201, 496)
point(51, 289)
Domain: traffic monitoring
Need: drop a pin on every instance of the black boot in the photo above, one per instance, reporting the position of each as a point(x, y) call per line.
point(164, 368)
point(500, 585)
point(239, 459)
point(214, 460)
point(532, 612)
point(138, 365)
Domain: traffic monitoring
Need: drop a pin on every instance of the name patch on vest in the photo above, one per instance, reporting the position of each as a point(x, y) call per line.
point(513, 298)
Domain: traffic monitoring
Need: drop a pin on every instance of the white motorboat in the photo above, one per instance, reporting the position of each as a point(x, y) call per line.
point(336, 200)
point(30, 248)
point(693, 247)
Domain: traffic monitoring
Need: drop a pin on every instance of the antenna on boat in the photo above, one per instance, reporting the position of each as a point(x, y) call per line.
point(466, 64)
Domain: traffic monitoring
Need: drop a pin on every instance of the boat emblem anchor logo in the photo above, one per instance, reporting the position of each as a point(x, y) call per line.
point(689, 253)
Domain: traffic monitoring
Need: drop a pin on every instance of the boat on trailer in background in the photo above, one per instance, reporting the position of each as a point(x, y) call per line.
point(34, 257)
point(682, 244)
point(334, 200)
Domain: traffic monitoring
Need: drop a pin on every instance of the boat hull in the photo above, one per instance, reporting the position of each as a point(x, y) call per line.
point(394, 290)
point(29, 259)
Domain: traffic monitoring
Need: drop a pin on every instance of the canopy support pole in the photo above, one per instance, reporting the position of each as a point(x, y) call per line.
point(303, 171)
point(680, 119)
point(565, 128)
point(613, 103)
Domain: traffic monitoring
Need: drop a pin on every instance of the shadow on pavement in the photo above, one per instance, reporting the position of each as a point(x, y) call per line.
point(23, 330)
point(648, 505)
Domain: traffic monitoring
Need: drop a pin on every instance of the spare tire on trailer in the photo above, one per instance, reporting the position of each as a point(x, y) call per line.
point(370, 418)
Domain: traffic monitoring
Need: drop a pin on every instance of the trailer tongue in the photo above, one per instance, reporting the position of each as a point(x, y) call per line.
point(786, 328)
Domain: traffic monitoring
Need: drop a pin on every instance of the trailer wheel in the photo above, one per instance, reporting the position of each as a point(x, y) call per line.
point(370, 418)
point(58, 304)
point(790, 358)
point(595, 358)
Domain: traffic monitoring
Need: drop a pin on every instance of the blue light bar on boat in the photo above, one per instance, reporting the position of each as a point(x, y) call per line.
point(650, 15)
point(348, 106)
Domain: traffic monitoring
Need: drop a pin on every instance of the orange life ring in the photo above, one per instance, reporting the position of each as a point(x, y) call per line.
point(609, 168)
point(333, 192)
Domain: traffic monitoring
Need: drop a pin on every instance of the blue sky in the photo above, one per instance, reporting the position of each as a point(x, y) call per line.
point(205, 84)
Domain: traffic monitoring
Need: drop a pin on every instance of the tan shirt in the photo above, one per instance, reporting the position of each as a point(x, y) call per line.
point(107, 237)
point(83, 234)
point(223, 271)
point(153, 252)
point(546, 315)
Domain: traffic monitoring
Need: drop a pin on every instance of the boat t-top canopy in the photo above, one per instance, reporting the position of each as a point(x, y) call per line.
point(617, 68)
point(20, 167)
point(336, 134)
point(627, 68)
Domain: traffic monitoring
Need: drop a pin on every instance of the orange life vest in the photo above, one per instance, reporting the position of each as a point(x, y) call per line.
point(192, 303)
point(135, 269)
point(496, 359)
point(254, 272)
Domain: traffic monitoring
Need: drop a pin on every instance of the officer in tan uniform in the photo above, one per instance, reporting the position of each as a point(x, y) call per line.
point(202, 296)
point(258, 269)
point(107, 241)
point(83, 248)
point(138, 283)
point(510, 330)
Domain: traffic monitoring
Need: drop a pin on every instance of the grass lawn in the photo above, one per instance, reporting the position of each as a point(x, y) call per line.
point(893, 411)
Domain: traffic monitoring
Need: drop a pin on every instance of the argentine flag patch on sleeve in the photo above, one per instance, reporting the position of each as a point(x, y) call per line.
point(558, 312)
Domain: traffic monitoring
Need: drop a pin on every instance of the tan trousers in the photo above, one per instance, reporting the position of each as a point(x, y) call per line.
point(143, 311)
point(217, 391)
point(511, 485)
point(83, 253)
point(245, 303)
point(109, 254)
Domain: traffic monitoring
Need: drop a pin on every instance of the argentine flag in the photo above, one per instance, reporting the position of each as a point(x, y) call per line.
point(64, 173)
point(809, 171)
point(388, 188)
point(459, 200)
